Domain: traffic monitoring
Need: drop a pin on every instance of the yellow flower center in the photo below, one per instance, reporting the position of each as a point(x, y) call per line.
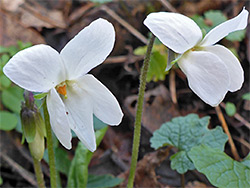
point(61, 89)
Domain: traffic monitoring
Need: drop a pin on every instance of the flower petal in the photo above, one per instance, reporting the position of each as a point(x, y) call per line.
point(80, 112)
point(38, 68)
point(58, 118)
point(207, 75)
point(233, 65)
point(176, 31)
point(88, 48)
point(106, 107)
point(222, 30)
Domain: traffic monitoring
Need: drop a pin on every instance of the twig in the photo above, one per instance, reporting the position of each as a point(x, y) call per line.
point(125, 24)
point(123, 59)
point(242, 141)
point(78, 13)
point(182, 180)
point(19, 169)
point(238, 117)
point(167, 5)
point(172, 86)
point(225, 127)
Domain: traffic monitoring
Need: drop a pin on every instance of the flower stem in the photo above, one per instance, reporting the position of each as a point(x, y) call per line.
point(39, 174)
point(51, 154)
point(137, 127)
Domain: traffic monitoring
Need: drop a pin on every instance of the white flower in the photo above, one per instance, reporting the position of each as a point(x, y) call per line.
point(73, 95)
point(211, 70)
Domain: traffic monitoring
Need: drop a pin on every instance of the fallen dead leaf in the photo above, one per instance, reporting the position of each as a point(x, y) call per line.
point(158, 108)
point(11, 6)
point(11, 30)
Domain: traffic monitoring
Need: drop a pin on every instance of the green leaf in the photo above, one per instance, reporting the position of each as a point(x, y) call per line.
point(185, 133)
point(246, 96)
point(157, 66)
point(3, 60)
point(215, 138)
point(236, 36)
point(103, 181)
point(1, 180)
point(8, 121)
point(157, 63)
point(199, 20)
point(78, 172)
point(246, 161)
point(181, 162)
point(21, 45)
point(62, 160)
point(215, 16)
point(40, 96)
point(220, 169)
point(230, 109)
point(141, 50)
point(3, 49)
point(4, 82)
point(12, 98)
point(12, 50)
point(98, 124)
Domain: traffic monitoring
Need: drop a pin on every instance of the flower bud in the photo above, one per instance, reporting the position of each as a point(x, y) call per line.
point(33, 126)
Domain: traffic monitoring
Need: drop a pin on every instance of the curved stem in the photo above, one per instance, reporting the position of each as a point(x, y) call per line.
point(137, 127)
point(39, 173)
point(51, 154)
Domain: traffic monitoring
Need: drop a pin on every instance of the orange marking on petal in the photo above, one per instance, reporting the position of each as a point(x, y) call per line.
point(62, 90)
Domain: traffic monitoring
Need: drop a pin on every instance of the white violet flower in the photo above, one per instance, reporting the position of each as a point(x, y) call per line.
point(211, 70)
point(73, 95)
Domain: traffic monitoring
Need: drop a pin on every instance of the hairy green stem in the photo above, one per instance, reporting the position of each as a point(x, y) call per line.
point(137, 127)
point(39, 173)
point(51, 154)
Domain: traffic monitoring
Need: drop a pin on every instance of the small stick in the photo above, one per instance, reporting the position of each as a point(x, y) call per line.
point(167, 5)
point(225, 127)
point(19, 169)
point(125, 24)
point(172, 86)
point(182, 180)
point(242, 141)
point(123, 59)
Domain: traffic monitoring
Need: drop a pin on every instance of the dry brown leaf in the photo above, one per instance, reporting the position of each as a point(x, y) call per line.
point(30, 20)
point(11, 6)
point(158, 108)
point(11, 31)
point(197, 184)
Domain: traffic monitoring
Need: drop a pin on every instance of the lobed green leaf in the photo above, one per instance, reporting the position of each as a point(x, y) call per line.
point(185, 133)
point(220, 169)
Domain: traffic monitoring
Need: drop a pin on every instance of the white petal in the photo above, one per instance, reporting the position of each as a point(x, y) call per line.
point(106, 107)
point(88, 48)
point(38, 68)
point(207, 75)
point(232, 63)
point(58, 118)
point(80, 112)
point(222, 30)
point(176, 31)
